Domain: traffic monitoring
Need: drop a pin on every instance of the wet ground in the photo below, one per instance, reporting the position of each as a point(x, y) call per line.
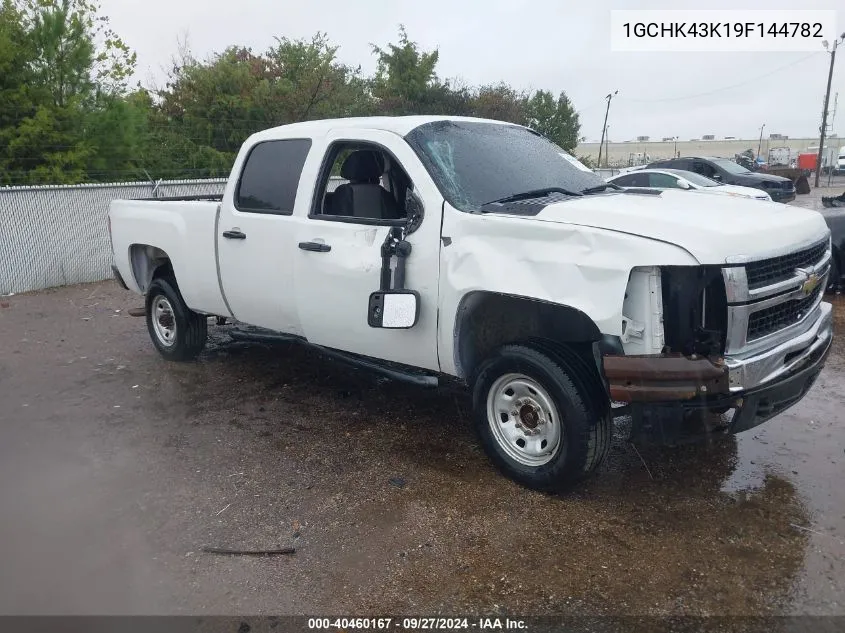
point(117, 467)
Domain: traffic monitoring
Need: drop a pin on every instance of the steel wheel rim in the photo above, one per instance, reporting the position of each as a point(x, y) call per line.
point(524, 420)
point(164, 321)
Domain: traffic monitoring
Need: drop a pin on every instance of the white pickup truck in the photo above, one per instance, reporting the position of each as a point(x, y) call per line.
point(476, 250)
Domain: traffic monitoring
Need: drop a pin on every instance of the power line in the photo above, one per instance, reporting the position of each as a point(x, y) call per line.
point(724, 88)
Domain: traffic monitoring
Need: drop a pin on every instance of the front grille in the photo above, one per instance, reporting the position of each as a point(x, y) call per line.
point(769, 320)
point(775, 269)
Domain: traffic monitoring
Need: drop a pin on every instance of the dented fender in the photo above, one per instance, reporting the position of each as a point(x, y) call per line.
point(581, 267)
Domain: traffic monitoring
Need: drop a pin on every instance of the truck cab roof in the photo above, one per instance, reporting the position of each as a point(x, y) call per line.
point(400, 125)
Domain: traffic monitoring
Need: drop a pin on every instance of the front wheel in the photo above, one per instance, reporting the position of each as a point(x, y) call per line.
point(535, 419)
point(178, 332)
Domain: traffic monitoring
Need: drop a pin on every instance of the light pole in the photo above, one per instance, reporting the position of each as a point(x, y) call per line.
point(760, 144)
point(604, 127)
point(675, 153)
point(826, 102)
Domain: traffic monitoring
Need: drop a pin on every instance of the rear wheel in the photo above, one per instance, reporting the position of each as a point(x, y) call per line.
point(178, 332)
point(535, 419)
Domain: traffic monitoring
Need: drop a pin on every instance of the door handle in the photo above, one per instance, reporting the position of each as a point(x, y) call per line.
point(234, 235)
point(317, 247)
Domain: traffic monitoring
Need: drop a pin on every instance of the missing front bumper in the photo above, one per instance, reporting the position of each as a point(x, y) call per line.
point(673, 378)
point(662, 378)
point(666, 390)
point(690, 420)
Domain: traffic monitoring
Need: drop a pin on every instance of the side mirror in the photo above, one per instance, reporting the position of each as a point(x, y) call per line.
point(414, 209)
point(683, 184)
point(394, 309)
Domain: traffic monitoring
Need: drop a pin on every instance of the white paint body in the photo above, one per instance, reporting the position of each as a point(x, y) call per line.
point(579, 253)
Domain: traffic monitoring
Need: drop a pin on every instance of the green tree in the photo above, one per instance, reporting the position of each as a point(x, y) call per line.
point(404, 74)
point(16, 101)
point(555, 119)
point(500, 102)
point(68, 79)
point(406, 82)
point(312, 84)
point(66, 114)
point(77, 54)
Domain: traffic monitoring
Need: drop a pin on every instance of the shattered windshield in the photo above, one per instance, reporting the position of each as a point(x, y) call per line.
point(473, 163)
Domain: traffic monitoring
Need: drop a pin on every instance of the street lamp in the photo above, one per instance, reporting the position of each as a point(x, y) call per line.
point(826, 102)
point(604, 127)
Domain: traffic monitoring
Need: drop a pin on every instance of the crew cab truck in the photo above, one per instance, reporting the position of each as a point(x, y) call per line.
point(432, 248)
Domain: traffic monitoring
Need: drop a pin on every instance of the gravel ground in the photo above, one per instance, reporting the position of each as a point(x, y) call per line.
point(116, 468)
point(833, 186)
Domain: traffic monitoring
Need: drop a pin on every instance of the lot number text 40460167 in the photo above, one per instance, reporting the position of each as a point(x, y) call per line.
point(417, 624)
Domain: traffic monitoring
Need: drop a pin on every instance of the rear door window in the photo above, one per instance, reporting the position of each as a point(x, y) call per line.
point(633, 180)
point(705, 169)
point(270, 176)
point(624, 181)
point(662, 181)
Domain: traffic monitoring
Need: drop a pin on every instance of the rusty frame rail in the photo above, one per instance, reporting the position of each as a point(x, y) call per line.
point(664, 378)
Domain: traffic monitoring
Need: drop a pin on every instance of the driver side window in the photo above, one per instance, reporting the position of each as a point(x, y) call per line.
point(361, 182)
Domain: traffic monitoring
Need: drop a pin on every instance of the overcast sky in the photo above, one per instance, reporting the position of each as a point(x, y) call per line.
point(551, 44)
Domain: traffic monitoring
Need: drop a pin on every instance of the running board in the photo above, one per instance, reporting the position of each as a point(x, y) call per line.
point(392, 371)
point(264, 336)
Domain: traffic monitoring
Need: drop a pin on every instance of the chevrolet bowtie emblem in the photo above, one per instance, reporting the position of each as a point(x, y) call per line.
point(810, 284)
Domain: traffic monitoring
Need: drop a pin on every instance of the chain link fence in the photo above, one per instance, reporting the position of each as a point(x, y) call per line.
point(58, 235)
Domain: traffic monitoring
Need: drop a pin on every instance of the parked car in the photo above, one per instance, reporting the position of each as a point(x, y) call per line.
point(729, 172)
point(835, 219)
point(479, 252)
point(679, 179)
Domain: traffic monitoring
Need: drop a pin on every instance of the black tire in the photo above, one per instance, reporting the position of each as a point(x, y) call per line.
point(834, 281)
point(586, 425)
point(190, 331)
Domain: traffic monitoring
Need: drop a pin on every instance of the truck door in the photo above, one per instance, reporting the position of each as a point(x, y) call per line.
point(256, 235)
point(360, 194)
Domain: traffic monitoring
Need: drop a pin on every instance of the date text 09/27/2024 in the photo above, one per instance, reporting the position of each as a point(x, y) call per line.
point(417, 624)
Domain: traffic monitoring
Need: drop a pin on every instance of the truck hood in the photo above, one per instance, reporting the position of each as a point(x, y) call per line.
point(711, 228)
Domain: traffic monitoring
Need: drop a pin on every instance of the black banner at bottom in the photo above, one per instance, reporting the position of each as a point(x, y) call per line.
point(354, 624)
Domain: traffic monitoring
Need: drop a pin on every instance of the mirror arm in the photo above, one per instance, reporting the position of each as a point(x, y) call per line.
point(403, 249)
point(387, 250)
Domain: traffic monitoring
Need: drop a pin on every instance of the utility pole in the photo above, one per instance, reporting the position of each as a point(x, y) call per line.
point(604, 127)
point(824, 110)
point(760, 144)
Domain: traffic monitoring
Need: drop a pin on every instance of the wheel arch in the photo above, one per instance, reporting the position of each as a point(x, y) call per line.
point(487, 320)
point(148, 263)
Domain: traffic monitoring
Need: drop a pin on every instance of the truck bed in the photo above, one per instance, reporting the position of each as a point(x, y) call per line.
point(184, 229)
